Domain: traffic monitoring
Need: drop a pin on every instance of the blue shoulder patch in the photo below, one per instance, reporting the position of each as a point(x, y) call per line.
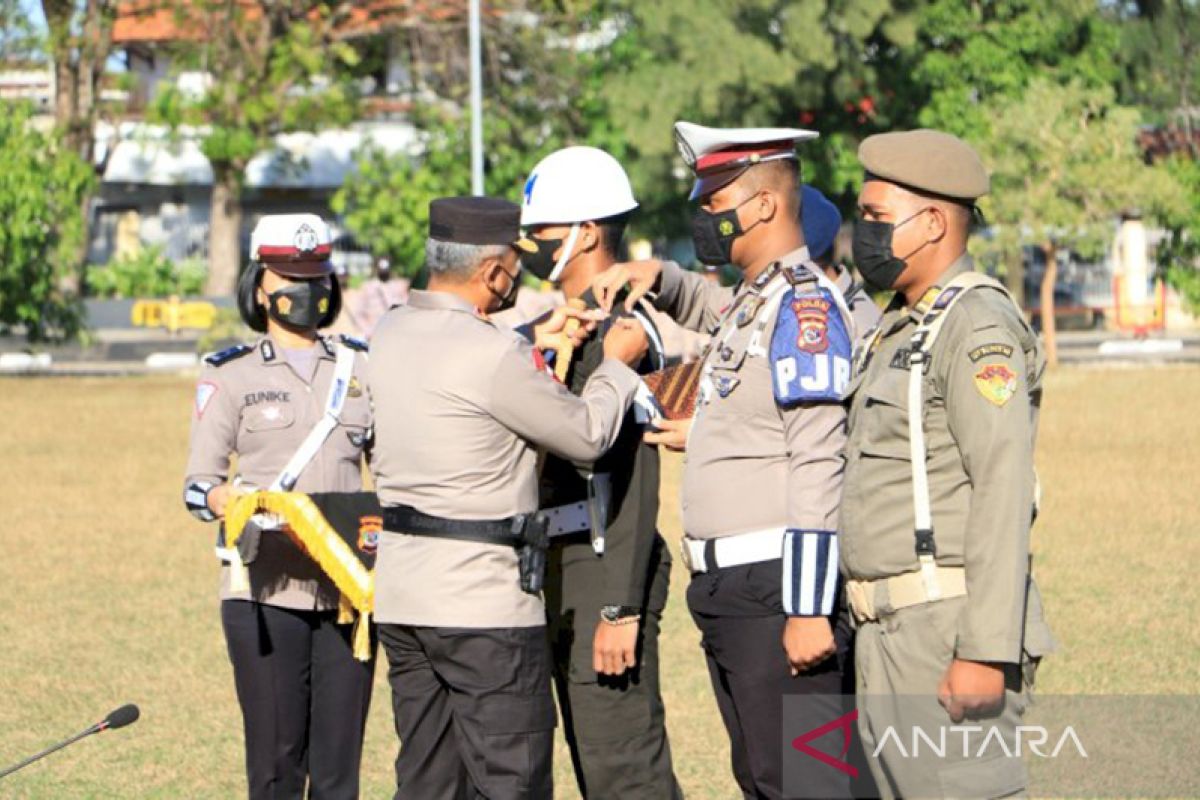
point(810, 348)
point(353, 343)
point(228, 354)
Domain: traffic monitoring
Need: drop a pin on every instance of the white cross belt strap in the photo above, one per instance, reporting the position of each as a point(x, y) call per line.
point(339, 387)
point(921, 346)
point(733, 551)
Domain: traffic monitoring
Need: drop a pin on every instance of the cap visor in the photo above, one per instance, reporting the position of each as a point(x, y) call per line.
point(301, 270)
point(707, 184)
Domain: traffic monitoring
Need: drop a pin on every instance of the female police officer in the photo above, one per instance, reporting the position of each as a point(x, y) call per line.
point(303, 695)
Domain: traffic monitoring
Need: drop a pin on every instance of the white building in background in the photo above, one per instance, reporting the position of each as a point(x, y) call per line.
point(156, 185)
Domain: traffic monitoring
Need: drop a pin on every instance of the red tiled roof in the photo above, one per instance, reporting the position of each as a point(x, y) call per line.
point(152, 21)
point(1161, 142)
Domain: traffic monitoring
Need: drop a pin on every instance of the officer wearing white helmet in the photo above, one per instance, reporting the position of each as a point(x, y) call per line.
point(607, 569)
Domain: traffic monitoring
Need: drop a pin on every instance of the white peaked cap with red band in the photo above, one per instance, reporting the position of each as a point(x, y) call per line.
point(718, 156)
point(293, 245)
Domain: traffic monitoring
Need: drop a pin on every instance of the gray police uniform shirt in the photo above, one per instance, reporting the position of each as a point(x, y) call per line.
point(461, 408)
point(750, 464)
point(256, 405)
point(982, 394)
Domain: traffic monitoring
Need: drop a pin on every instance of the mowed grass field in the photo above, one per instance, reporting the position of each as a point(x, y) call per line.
point(109, 586)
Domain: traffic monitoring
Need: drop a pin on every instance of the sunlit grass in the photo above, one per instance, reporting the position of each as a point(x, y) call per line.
point(111, 588)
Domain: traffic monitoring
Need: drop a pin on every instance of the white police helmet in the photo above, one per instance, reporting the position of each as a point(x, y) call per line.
point(576, 184)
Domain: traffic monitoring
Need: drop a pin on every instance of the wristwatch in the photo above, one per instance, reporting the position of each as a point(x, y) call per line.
point(620, 615)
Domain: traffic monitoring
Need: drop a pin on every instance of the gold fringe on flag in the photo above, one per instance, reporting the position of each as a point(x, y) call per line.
point(313, 534)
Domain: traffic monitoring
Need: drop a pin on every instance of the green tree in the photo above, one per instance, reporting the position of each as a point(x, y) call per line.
point(830, 65)
point(1160, 53)
point(542, 91)
point(79, 40)
point(385, 202)
point(974, 52)
point(20, 42)
point(1064, 164)
point(274, 67)
point(42, 186)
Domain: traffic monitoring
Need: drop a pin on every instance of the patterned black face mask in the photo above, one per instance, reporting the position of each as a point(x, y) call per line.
point(713, 234)
point(300, 305)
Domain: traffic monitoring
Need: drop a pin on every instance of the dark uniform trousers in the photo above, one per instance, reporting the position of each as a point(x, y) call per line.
point(473, 711)
point(740, 616)
point(304, 700)
point(615, 727)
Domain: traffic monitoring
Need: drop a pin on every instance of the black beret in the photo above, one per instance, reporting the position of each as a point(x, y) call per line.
point(474, 220)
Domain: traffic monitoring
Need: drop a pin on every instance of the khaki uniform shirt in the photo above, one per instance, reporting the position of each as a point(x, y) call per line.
point(461, 408)
point(751, 464)
point(257, 406)
point(981, 393)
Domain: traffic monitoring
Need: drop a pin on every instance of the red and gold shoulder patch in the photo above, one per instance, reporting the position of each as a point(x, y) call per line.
point(812, 319)
point(997, 383)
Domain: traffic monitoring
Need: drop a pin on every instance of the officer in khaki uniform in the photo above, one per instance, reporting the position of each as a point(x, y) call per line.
point(303, 695)
point(764, 464)
point(949, 620)
point(608, 569)
point(462, 408)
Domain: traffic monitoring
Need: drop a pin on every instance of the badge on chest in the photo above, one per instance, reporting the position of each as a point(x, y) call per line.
point(810, 349)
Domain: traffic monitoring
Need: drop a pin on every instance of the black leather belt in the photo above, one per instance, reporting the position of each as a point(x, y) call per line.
point(406, 519)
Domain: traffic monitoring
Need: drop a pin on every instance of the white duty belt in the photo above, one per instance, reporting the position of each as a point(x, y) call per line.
point(921, 346)
point(339, 388)
point(706, 555)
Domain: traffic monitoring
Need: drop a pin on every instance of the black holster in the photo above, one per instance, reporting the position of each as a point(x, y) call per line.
point(533, 530)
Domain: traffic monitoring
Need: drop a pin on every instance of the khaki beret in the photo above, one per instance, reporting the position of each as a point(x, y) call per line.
point(926, 160)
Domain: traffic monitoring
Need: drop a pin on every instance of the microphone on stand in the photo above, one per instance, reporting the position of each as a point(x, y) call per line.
point(125, 715)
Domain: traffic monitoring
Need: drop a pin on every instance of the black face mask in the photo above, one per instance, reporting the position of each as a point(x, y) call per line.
point(872, 249)
point(542, 262)
point(507, 299)
point(301, 305)
point(713, 234)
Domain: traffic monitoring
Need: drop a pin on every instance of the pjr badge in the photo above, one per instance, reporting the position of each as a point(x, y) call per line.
point(369, 528)
point(997, 383)
point(812, 319)
point(725, 227)
point(810, 349)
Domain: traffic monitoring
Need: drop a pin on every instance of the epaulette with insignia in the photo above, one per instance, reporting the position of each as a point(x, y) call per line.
point(800, 273)
point(228, 354)
point(354, 343)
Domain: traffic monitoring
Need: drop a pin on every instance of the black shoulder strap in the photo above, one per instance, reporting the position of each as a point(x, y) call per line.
point(228, 354)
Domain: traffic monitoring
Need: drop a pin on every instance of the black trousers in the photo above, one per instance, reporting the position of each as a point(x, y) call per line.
point(304, 700)
point(473, 711)
point(741, 621)
point(615, 727)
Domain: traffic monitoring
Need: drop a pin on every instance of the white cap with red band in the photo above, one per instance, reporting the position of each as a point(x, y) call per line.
point(719, 155)
point(294, 245)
